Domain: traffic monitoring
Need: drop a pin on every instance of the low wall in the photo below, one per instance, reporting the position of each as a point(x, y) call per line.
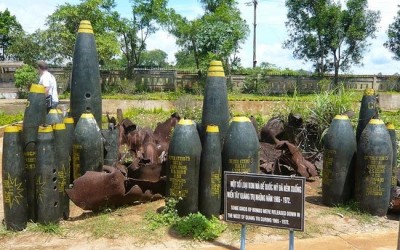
point(389, 101)
point(171, 80)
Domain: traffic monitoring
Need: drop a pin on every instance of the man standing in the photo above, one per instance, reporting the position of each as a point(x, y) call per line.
point(49, 82)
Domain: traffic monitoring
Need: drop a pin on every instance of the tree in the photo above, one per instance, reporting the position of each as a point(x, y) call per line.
point(185, 59)
point(212, 5)
point(28, 47)
point(154, 58)
point(9, 29)
point(393, 43)
point(63, 24)
point(24, 77)
point(216, 35)
point(332, 37)
point(135, 31)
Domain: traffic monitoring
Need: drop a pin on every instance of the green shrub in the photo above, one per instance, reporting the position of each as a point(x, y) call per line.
point(127, 87)
point(188, 107)
point(330, 103)
point(195, 225)
point(147, 117)
point(199, 227)
point(24, 77)
point(168, 216)
point(9, 119)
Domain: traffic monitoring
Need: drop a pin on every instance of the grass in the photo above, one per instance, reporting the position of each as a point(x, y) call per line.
point(352, 210)
point(195, 225)
point(113, 224)
point(391, 116)
point(9, 119)
point(147, 117)
point(172, 96)
point(51, 228)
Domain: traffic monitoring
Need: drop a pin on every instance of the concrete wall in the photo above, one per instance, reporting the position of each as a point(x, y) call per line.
point(169, 79)
point(389, 101)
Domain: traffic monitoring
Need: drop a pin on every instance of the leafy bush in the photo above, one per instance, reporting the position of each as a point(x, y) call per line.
point(24, 77)
point(147, 117)
point(188, 107)
point(195, 225)
point(199, 227)
point(9, 119)
point(330, 103)
point(124, 86)
point(168, 216)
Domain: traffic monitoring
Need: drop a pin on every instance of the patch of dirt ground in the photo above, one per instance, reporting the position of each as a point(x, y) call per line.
point(127, 228)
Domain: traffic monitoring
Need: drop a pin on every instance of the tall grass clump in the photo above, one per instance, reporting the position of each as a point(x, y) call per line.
point(330, 103)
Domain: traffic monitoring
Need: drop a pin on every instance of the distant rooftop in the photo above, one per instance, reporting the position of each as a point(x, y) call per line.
point(9, 66)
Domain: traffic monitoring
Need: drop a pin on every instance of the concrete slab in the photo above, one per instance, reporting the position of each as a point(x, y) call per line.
point(365, 241)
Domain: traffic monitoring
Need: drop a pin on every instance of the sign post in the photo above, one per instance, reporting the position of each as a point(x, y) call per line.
point(264, 200)
point(243, 237)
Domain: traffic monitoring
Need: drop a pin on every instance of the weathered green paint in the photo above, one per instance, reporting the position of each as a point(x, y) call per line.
point(53, 117)
point(183, 166)
point(35, 114)
point(87, 149)
point(367, 111)
point(374, 168)
point(85, 82)
point(339, 161)
point(392, 133)
point(110, 145)
point(47, 196)
point(69, 126)
point(241, 147)
point(210, 174)
point(215, 103)
point(63, 168)
point(14, 184)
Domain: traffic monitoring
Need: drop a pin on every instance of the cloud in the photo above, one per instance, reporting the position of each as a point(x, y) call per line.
point(271, 31)
point(31, 15)
point(164, 41)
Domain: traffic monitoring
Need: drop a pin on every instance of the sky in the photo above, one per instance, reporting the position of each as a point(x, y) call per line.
point(271, 31)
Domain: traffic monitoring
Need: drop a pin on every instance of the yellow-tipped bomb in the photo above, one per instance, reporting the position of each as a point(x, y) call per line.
point(367, 111)
point(369, 92)
point(215, 103)
point(216, 69)
point(85, 27)
point(85, 82)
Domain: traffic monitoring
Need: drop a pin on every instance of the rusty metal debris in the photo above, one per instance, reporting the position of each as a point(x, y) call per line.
point(111, 188)
point(137, 176)
point(285, 159)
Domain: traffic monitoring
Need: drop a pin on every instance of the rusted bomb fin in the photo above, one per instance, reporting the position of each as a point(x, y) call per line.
point(92, 191)
point(296, 159)
point(110, 188)
point(163, 130)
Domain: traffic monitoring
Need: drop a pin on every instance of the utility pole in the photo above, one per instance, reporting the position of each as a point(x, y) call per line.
point(254, 3)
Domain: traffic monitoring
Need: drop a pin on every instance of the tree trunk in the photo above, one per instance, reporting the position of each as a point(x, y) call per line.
point(336, 79)
point(336, 65)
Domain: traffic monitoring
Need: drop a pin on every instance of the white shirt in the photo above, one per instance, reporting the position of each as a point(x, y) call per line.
point(49, 81)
